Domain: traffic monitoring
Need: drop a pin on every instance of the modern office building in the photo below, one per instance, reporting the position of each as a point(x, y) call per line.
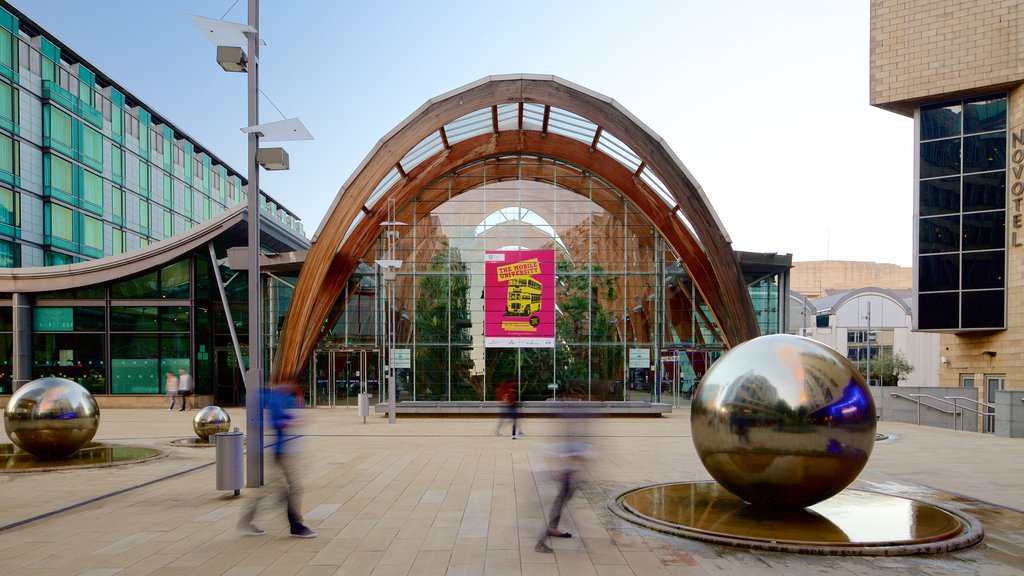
point(955, 68)
point(101, 202)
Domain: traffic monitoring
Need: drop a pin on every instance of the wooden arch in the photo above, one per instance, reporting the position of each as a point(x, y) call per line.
point(706, 253)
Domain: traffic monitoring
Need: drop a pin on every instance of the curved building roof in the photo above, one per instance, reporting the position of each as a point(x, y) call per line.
point(506, 115)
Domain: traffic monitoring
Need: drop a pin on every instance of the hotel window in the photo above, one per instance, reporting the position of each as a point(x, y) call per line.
point(10, 160)
point(168, 223)
point(92, 148)
point(961, 226)
point(8, 49)
point(10, 254)
point(117, 205)
point(144, 217)
point(57, 129)
point(168, 193)
point(58, 178)
point(59, 225)
point(117, 164)
point(144, 178)
point(92, 235)
point(9, 107)
point(116, 123)
point(117, 241)
point(188, 201)
point(92, 192)
point(10, 212)
point(206, 208)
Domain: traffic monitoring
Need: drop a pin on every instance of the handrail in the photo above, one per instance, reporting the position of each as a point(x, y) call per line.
point(978, 412)
point(917, 398)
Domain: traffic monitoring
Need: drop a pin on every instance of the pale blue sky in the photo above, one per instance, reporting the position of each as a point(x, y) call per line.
point(766, 103)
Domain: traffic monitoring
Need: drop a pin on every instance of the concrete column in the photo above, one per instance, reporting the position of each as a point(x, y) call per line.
point(22, 356)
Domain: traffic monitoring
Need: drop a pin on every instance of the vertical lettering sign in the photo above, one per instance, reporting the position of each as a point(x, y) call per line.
point(519, 299)
point(1017, 189)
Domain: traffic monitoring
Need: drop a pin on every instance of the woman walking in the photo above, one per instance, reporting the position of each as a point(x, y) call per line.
point(171, 387)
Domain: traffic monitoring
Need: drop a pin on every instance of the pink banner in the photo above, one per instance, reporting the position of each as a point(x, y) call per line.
point(519, 299)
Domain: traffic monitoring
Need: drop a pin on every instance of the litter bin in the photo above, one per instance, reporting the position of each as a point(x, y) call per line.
point(229, 460)
point(364, 405)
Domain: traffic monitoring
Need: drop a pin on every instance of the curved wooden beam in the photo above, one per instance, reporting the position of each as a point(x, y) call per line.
point(709, 260)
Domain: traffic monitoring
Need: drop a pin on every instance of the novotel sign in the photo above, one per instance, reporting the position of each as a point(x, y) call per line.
point(1017, 189)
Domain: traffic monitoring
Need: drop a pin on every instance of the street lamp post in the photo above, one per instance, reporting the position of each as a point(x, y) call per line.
point(254, 379)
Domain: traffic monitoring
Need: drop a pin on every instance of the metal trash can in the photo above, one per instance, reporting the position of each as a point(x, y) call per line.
point(229, 460)
point(364, 405)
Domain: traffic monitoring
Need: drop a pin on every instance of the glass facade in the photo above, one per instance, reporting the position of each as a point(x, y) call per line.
point(960, 247)
point(619, 292)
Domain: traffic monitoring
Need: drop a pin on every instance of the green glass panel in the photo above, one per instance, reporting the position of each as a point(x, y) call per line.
point(57, 129)
point(8, 207)
point(174, 280)
point(117, 164)
point(144, 286)
point(135, 364)
point(10, 255)
point(92, 233)
point(134, 318)
point(60, 319)
point(144, 215)
point(92, 192)
point(174, 319)
point(144, 178)
point(92, 148)
point(61, 222)
point(117, 203)
point(61, 177)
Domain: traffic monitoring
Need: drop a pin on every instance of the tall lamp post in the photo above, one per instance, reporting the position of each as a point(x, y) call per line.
point(230, 38)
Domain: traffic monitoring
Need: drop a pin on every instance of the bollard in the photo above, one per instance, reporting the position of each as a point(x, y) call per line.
point(364, 405)
point(229, 460)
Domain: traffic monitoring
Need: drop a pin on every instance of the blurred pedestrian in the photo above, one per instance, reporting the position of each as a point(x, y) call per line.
point(571, 457)
point(280, 403)
point(185, 388)
point(171, 388)
point(509, 408)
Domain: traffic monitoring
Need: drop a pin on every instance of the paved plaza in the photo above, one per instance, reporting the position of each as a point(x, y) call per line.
point(446, 496)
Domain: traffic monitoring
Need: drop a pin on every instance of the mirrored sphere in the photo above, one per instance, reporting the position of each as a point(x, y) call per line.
point(209, 421)
point(51, 417)
point(783, 421)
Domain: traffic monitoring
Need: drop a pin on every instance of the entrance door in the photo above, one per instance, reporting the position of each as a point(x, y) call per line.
point(230, 386)
point(993, 384)
point(340, 375)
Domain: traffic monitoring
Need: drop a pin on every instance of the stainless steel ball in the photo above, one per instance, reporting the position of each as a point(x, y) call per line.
point(209, 421)
point(51, 417)
point(783, 421)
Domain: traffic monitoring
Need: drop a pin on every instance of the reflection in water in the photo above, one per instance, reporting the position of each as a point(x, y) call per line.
point(93, 454)
point(852, 517)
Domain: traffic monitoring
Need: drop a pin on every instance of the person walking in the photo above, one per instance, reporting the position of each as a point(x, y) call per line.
point(572, 456)
point(185, 388)
point(509, 410)
point(171, 388)
point(280, 402)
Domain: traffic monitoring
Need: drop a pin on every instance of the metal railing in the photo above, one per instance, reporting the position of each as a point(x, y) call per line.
point(986, 413)
point(954, 412)
point(917, 399)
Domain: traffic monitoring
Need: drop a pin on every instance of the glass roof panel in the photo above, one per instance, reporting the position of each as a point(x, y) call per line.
point(565, 123)
point(472, 124)
point(533, 116)
point(384, 186)
point(426, 148)
point(358, 219)
point(614, 147)
point(508, 116)
point(659, 188)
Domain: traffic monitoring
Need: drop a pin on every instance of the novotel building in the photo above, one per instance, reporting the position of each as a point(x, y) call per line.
point(956, 70)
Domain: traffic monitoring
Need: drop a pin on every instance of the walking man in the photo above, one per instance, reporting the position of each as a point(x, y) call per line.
point(185, 388)
point(280, 402)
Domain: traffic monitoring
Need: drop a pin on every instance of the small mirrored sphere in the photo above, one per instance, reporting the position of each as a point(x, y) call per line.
point(51, 417)
point(209, 421)
point(783, 421)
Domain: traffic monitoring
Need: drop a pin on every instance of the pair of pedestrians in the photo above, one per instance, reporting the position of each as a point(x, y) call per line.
point(180, 385)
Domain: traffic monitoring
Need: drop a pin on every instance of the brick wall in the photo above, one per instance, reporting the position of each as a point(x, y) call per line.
point(924, 49)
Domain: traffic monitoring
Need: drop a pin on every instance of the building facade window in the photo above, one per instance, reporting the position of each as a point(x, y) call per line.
point(117, 205)
point(960, 247)
point(92, 236)
point(145, 182)
point(10, 254)
point(92, 192)
point(9, 106)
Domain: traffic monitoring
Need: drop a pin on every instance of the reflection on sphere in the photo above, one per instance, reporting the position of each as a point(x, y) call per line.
point(783, 421)
point(210, 421)
point(51, 417)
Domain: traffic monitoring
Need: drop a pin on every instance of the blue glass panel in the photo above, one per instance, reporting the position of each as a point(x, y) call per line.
point(939, 234)
point(940, 158)
point(984, 270)
point(937, 273)
point(941, 196)
point(984, 115)
point(938, 311)
point(984, 191)
point(940, 122)
point(984, 153)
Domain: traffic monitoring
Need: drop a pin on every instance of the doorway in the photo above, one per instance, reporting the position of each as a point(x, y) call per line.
point(993, 384)
point(338, 376)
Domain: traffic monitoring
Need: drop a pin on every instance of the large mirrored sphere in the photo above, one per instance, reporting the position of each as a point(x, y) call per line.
point(783, 421)
point(209, 421)
point(51, 417)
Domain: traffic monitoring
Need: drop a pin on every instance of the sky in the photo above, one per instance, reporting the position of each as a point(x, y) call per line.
point(765, 103)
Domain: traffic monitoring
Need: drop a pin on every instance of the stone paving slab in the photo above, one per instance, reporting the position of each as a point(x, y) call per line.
point(446, 496)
